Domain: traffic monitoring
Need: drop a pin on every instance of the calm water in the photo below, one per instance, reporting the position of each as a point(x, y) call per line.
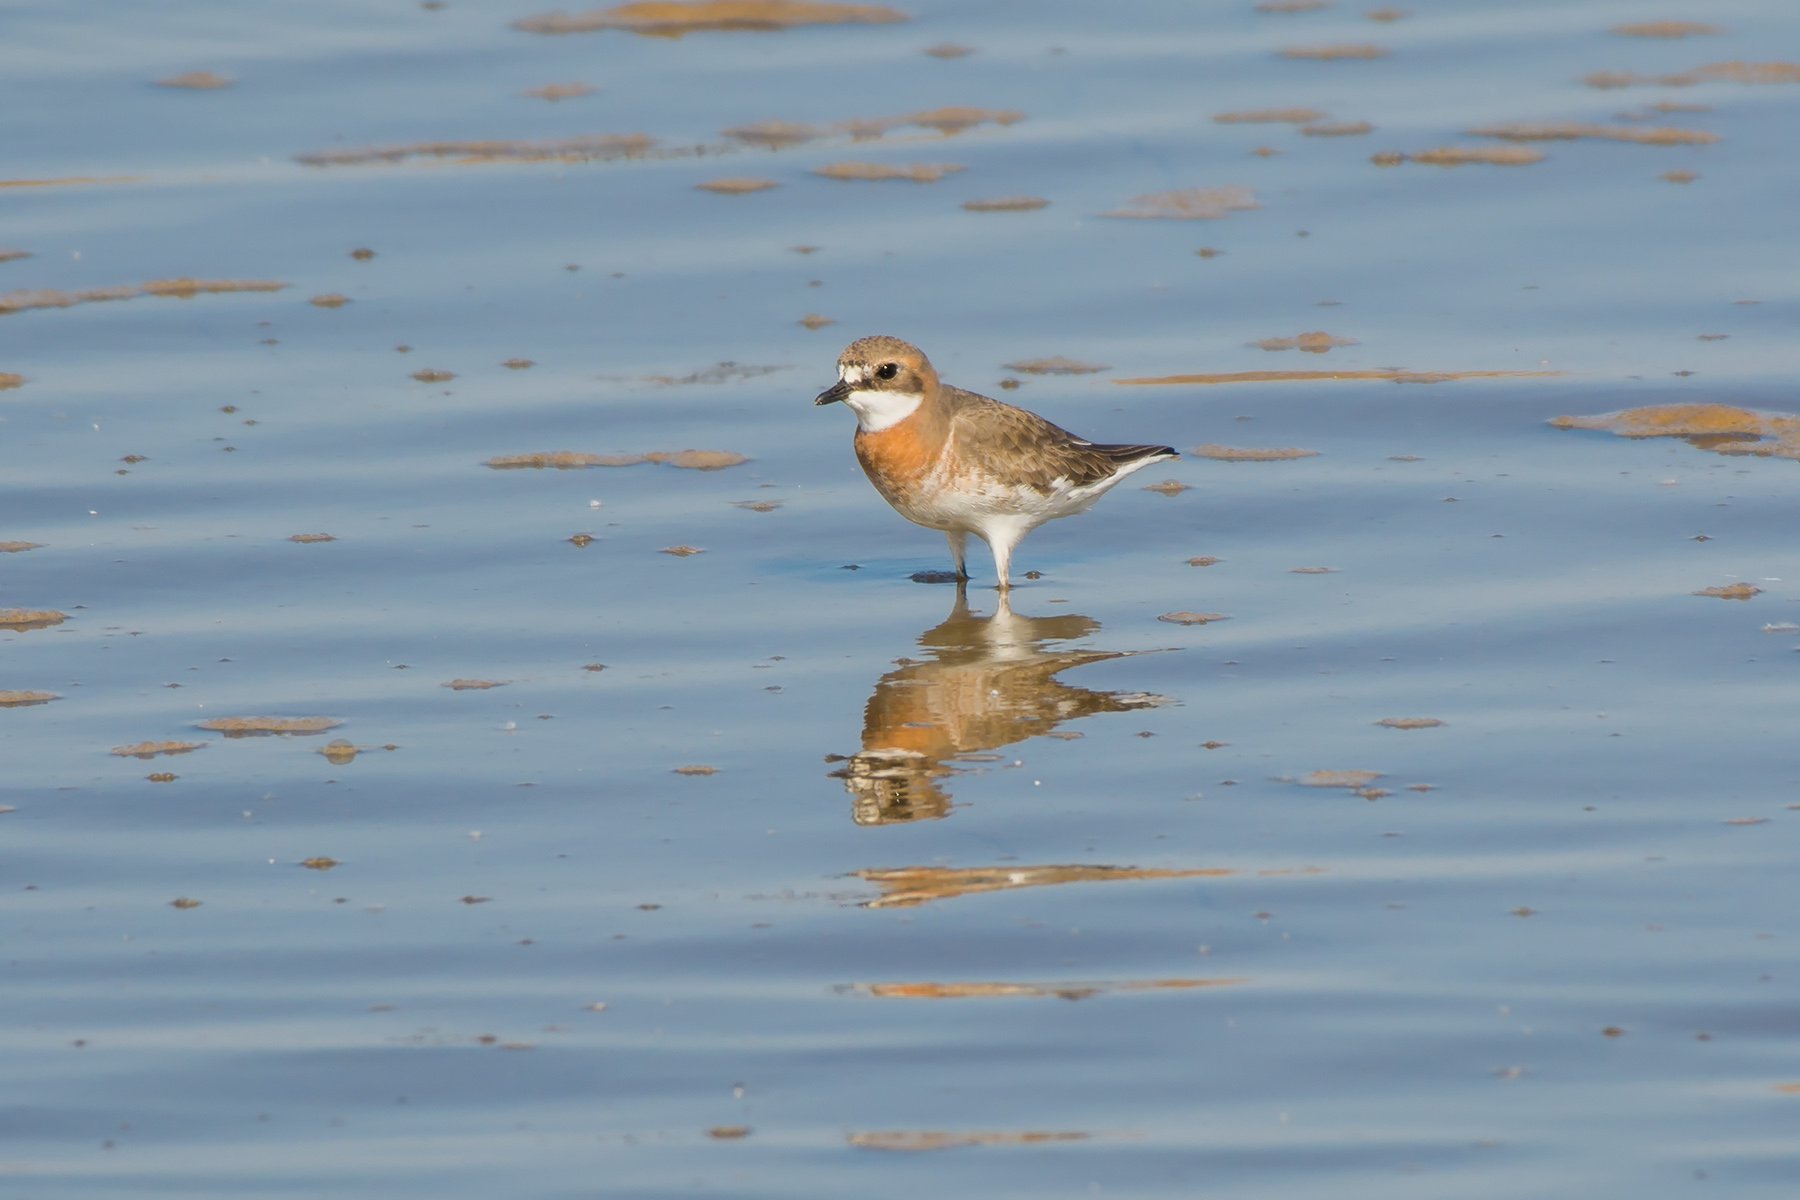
point(966, 899)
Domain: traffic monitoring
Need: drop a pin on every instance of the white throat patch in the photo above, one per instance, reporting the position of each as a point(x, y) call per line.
point(876, 411)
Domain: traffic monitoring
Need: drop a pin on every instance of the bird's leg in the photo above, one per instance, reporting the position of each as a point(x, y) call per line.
point(958, 543)
point(1003, 548)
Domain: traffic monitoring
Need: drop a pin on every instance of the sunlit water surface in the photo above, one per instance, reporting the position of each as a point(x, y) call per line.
point(888, 891)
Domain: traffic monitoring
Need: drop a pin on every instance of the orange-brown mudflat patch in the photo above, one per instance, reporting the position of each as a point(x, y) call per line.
point(25, 298)
point(474, 685)
point(775, 135)
point(673, 18)
point(1666, 29)
point(1338, 779)
point(9, 380)
point(518, 364)
point(1337, 128)
point(1066, 991)
point(187, 286)
point(319, 863)
point(913, 172)
point(31, 618)
point(307, 539)
point(1410, 722)
point(1168, 487)
point(917, 1141)
point(949, 121)
point(906, 887)
point(597, 147)
point(1736, 71)
point(695, 769)
point(268, 726)
point(1055, 365)
point(737, 185)
point(185, 902)
point(25, 699)
point(1193, 618)
point(760, 506)
point(949, 50)
point(162, 777)
point(569, 460)
point(682, 551)
point(558, 91)
point(1007, 204)
point(816, 321)
point(152, 749)
point(1721, 428)
point(1679, 176)
point(433, 375)
point(1556, 131)
point(1336, 50)
point(330, 300)
point(1251, 453)
point(1302, 376)
point(1188, 204)
point(1731, 591)
point(1788, 1089)
point(72, 179)
point(1269, 116)
point(1462, 156)
point(1317, 342)
point(1388, 14)
point(202, 80)
point(726, 1133)
point(1205, 560)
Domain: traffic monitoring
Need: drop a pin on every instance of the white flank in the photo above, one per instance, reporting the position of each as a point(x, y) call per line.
point(876, 411)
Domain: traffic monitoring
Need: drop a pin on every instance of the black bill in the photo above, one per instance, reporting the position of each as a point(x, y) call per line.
point(834, 393)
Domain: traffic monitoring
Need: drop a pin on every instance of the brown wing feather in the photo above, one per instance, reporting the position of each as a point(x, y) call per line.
point(1035, 451)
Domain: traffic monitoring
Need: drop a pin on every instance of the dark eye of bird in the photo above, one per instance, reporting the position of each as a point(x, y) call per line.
point(888, 370)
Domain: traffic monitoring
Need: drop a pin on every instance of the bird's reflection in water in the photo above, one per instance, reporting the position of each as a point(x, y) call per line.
point(990, 682)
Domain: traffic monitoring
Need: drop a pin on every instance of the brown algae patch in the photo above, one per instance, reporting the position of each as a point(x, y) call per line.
point(1066, 991)
point(1731, 591)
point(1007, 204)
point(9, 380)
point(319, 863)
point(1736, 71)
point(1720, 428)
point(1337, 128)
point(558, 91)
point(1336, 50)
point(1462, 156)
point(1251, 453)
point(330, 300)
point(673, 18)
point(682, 551)
point(816, 321)
point(759, 506)
point(187, 286)
point(152, 749)
point(1395, 376)
point(1338, 779)
point(1555, 131)
point(1410, 722)
point(597, 147)
point(1388, 15)
point(918, 1141)
point(1055, 365)
point(1317, 342)
point(19, 547)
point(728, 1132)
point(1679, 176)
point(185, 902)
point(949, 50)
point(432, 375)
point(1269, 116)
point(307, 539)
point(31, 618)
point(907, 887)
point(202, 80)
point(1168, 487)
point(474, 685)
point(1205, 560)
point(25, 699)
point(21, 299)
point(567, 460)
point(1666, 29)
point(518, 364)
point(1193, 618)
point(237, 727)
point(737, 185)
point(695, 769)
point(914, 172)
point(1188, 204)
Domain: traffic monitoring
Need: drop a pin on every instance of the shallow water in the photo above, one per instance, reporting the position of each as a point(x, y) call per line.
point(1017, 903)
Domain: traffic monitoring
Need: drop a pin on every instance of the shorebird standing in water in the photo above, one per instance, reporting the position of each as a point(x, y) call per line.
point(952, 460)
